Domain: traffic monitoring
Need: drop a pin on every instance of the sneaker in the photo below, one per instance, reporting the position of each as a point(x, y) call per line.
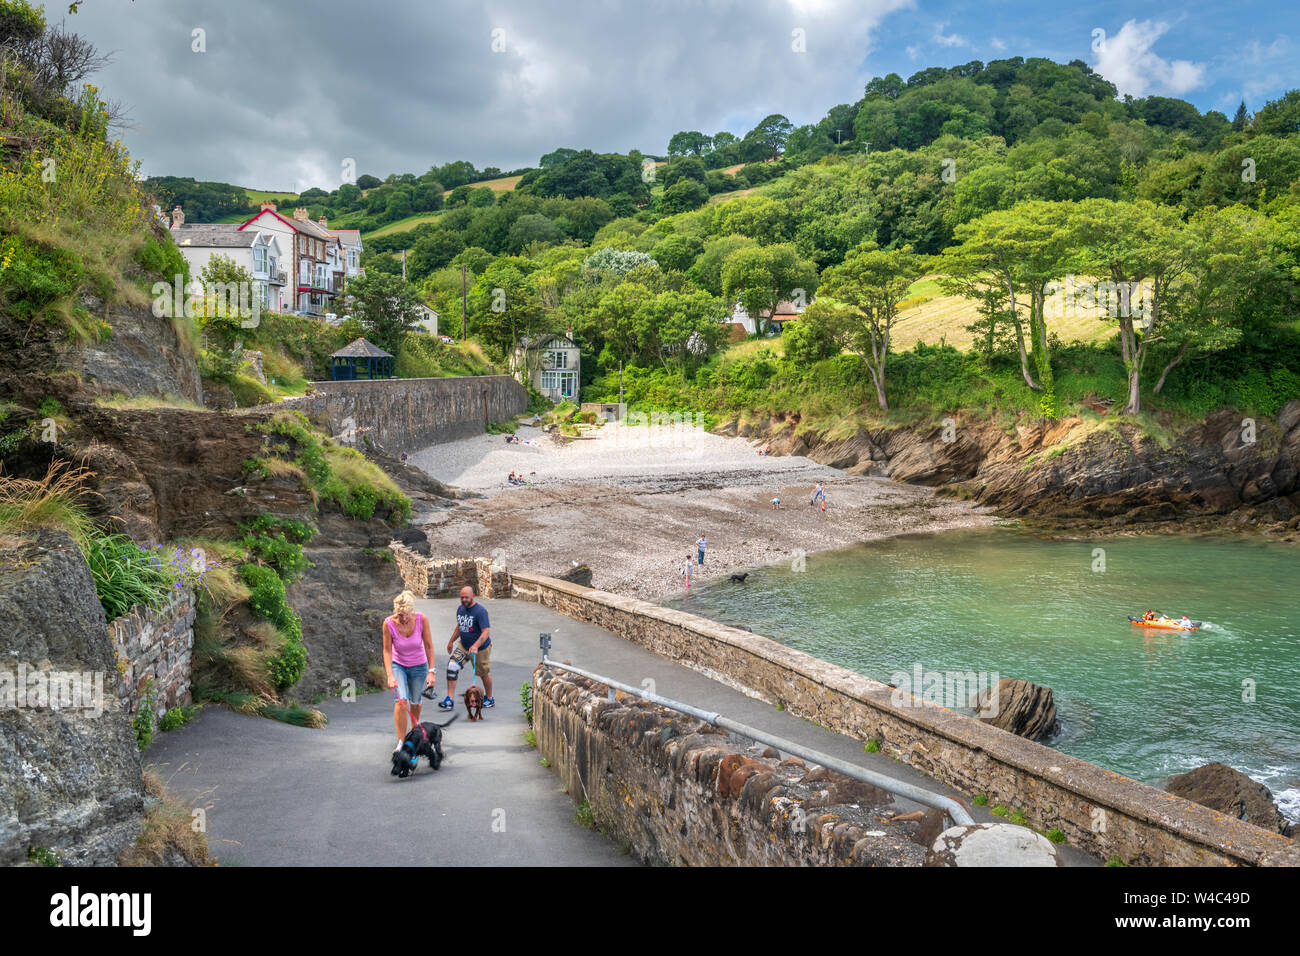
point(489, 701)
point(446, 704)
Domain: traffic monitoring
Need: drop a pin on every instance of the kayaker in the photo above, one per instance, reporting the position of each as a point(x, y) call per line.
point(1185, 622)
point(1149, 615)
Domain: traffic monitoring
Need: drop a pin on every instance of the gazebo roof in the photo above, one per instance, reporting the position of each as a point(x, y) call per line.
point(361, 348)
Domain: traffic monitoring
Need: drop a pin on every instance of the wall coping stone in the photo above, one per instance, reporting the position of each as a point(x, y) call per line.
point(1190, 821)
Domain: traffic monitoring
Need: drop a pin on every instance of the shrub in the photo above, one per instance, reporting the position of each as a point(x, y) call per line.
point(145, 722)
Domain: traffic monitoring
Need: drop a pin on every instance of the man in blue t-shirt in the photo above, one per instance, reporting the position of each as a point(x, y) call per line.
point(475, 639)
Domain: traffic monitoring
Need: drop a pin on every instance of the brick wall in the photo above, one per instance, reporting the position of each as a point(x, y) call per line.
point(158, 646)
point(679, 792)
point(1101, 812)
point(444, 577)
point(408, 414)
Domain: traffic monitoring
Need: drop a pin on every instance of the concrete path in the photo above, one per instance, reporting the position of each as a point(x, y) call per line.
point(282, 795)
point(276, 794)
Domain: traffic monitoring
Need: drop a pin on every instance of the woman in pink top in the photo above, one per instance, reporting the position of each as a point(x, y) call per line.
point(408, 659)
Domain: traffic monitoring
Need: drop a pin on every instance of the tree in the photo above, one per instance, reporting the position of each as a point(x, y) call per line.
point(1227, 258)
point(690, 142)
point(529, 229)
point(1240, 119)
point(225, 302)
point(386, 307)
point(859, 303)
point(1139, 246)
point(505, 305)
point(1280, 116)
point(761, 277)
point(683, 196)
point(1006, 259)
point(618, 261)
point(368, 182)
point(677, 251)
point(688, 167)
point(771, 133)
point(681, 328)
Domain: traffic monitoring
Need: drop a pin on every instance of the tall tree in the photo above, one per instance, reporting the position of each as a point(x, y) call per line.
point(761, 277)
point(386, 307)
point(859, 303)
point(1141, 247)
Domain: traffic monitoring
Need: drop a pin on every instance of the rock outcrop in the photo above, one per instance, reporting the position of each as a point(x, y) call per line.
point(992, 844)
point(1092, 475)
point(70, 776)
point(1019, 707)
point(1230, 791)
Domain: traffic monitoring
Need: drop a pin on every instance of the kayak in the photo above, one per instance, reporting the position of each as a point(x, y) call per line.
point(1165, 624)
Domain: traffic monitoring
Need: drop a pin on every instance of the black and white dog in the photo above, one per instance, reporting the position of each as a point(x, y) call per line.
point(422, 740)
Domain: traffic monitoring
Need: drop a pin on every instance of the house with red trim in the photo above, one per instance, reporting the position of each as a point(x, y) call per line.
point(316, 263)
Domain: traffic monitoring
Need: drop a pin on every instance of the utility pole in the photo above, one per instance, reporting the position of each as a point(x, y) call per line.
point(403, 265)
point(462, 302)
point(620, 383)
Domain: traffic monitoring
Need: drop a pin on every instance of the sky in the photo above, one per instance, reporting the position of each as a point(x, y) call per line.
point(286, 95)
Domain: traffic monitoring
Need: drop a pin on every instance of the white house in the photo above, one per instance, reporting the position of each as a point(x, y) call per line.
point(552, 364)
point(350, 240)
point(314, 260)
point(428, 319)
point(256, 250)
point(786, 311)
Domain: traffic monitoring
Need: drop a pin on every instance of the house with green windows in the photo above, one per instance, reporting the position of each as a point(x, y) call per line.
point(551, 363)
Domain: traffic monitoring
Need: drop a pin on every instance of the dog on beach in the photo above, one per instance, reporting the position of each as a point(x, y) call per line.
point(474, 702)
point(422, 740)
point(739, 578)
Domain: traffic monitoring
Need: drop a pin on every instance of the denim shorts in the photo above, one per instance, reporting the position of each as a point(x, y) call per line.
point(410, 680)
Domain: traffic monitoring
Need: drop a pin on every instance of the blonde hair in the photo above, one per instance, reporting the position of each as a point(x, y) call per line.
point(404, 603)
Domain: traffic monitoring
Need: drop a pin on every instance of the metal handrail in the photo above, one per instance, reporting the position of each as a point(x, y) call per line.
point(955, 811)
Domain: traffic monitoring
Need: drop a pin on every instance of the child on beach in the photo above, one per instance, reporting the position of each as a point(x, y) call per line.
point(776, 504)
point(686, 571)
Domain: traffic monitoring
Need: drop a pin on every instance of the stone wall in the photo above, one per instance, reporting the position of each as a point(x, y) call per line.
point(158, 646)
point(397, 415)
point(444, 577)
point(679, 792)
point(1101, 812)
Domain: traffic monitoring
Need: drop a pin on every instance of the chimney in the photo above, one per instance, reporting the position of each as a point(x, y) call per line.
point(268, 206)
point(178, 217)
point(569, 334)
point(301, 214)
point(322, 222)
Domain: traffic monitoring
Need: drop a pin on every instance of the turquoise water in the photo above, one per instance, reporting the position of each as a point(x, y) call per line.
point(1142, 702)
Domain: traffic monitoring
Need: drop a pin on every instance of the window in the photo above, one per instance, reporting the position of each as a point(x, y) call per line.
point(564, 382)
point(259, 259)
point(557, 359)
point(263, 294)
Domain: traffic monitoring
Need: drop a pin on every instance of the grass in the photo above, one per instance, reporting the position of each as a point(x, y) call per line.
point(871, 747)
point(403, 225)
point(54, 501)
point(583, 815)
point(169, 827)
point(119, 400)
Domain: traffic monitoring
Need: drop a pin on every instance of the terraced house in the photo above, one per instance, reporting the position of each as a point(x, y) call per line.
point(257, 250)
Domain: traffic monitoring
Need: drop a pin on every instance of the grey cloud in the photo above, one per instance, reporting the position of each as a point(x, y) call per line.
point(287, 91)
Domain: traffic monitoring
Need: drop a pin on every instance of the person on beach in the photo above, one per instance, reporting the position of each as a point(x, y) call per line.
point(700, 545)
point(408, 660)
point(817, 493)
point(776, 504)
point(686, 572)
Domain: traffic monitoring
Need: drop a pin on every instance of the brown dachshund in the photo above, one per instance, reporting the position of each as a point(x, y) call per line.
point(474, 702)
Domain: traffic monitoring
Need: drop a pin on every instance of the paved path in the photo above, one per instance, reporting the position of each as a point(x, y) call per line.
point(278, 794)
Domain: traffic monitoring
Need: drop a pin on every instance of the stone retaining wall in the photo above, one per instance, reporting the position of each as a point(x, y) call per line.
point(679, 792)
point(158, 646)
point(407, 414)
point(1104, 813)
point(444, 577)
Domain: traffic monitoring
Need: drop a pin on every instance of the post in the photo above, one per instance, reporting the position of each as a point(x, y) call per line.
point(620, 383)
point(403, 265)
point(462, 302)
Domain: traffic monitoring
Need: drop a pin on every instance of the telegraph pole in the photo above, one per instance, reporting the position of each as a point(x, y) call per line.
point(462, 302)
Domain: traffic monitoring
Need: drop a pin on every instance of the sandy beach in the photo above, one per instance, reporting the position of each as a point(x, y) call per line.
point(630, 501)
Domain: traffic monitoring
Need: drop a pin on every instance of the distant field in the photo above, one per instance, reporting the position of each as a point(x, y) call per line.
point(503, 185)
point(943, 318)
point(723, 197)
point(404, 225)
point(261, 195)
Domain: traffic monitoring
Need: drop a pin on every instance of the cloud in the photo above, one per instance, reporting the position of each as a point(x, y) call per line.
point(951, 39)
point(997, 44)
point(283, 96)
point(1127, 61)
